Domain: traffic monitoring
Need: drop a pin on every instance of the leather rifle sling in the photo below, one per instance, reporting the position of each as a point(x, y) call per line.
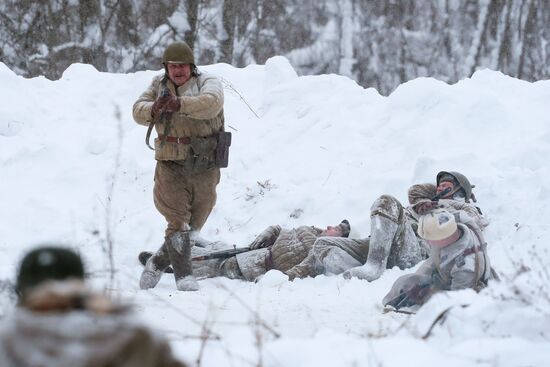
point(154, 121)
point(150, 128)
point(148, 135)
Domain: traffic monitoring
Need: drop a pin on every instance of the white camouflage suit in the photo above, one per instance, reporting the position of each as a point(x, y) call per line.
point(462, 264)
point(393, 240)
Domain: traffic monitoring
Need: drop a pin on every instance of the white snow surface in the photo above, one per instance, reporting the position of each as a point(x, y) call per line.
point(75, 171)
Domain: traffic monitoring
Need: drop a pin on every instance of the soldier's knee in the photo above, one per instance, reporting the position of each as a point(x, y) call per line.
point(388, 207)
point(177, 225)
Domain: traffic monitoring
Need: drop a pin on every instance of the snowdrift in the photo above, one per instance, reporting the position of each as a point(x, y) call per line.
point(306, 150)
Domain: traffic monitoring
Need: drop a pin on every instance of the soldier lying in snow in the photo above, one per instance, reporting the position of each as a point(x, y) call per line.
point(393, 240)
point(275, 248)
point(458, 260)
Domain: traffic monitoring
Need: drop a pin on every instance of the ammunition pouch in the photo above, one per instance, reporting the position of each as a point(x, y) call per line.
point(208, 152)
point(201, 154)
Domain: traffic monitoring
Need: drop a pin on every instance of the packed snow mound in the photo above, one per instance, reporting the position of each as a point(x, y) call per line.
point(308, 150)
point(278, 71)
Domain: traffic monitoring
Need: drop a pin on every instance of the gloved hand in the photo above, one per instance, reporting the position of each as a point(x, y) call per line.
point(425, 207)
point(260, 241)
point(416, 294)
point(266, 238)
point(159, 105)
point(419, 293)
point(165, 104)
point(172, 105)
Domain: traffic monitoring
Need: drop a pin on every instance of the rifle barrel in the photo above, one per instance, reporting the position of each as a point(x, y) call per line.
point(223, 254)
point(441, 194)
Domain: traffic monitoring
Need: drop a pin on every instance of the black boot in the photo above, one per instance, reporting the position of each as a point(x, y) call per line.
point(145, 255)
point(154, 268)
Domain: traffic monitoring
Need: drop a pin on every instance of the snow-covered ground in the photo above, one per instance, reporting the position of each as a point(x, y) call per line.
point(306, 151)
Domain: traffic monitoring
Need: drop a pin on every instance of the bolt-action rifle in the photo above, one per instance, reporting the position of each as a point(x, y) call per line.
point(433, 199)
point(165, 92)
point(415, 295)
point(222, 254)
point(441, 194)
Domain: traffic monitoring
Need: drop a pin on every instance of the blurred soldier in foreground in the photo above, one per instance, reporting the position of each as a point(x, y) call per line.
point(59, 322)
point(275, 248)
point(458, 260)
point(186, 108)
point(393, 239)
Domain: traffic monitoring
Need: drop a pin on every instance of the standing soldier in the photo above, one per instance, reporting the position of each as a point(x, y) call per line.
point(186, 108)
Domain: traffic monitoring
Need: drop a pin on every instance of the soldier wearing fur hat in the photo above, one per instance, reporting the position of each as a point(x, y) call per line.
point(393, 239)
point(60, 322)
point(274, 248)
point(185, 107)
point(458, 260)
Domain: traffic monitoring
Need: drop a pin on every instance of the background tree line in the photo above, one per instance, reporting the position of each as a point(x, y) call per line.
point(380, 44)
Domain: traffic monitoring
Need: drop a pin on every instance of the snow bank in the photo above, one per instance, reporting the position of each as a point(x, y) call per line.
point(306, 150)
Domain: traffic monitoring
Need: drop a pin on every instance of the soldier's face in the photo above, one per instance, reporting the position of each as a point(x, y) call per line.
point(443, 185)
point(179, 73)
point(332, 231)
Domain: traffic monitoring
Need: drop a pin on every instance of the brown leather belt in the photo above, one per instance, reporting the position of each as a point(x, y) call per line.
point(175, 139)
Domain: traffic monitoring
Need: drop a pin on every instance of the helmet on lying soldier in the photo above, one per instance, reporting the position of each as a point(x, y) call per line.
point(458, 179)
point(437, 225)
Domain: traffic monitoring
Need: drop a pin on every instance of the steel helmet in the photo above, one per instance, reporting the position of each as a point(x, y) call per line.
point(48, 263)
point(459, 178)
point(178, 52)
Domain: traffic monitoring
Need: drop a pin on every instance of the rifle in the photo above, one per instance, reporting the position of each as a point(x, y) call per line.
point(165, 92)
point(441, 194)
point(433, 200)
point(415, 295)
point(222, 254)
